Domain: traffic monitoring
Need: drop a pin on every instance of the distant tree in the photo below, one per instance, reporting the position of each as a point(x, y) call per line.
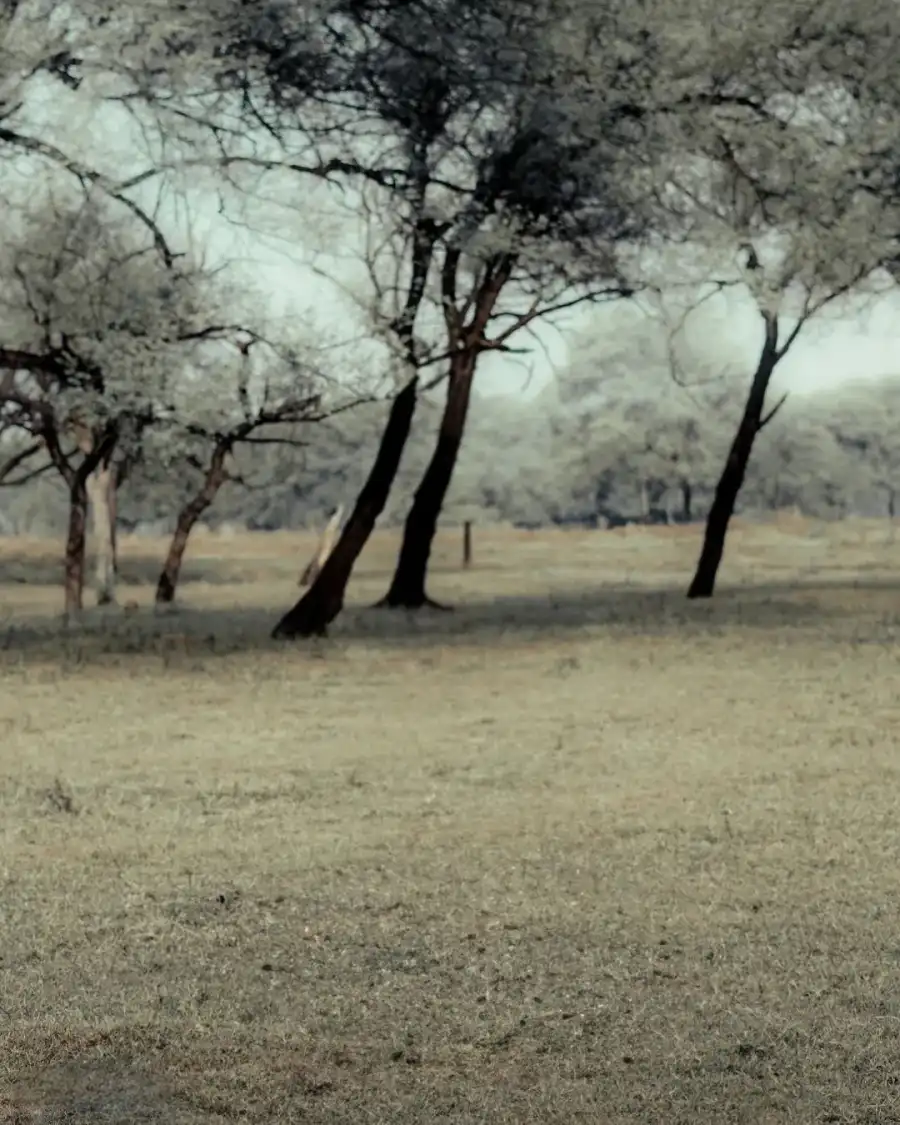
point(799, 464)
point(864, 423)
point(628, 431)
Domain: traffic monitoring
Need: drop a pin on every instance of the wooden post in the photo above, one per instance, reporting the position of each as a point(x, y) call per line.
point(467, 544)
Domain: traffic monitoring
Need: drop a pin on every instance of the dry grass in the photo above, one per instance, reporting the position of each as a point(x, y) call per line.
point(579, 851)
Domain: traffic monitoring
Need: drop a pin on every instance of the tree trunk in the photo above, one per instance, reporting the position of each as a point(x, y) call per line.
point(102, 503)
point(323, 549)
point(407, 588)
point(73, 582)
point(687, 499)
point(735, 469)
point(216, 475)
point(645, 501)
point(324, 600)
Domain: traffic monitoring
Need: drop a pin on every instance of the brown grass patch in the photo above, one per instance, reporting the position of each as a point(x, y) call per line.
point(579, 851)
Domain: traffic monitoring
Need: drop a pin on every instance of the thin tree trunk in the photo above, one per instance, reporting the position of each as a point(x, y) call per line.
point(687, 497)
point(645, 501)
point(73, 581)
point(407, 588)
point(101, 496)
point(216, 476)
point(732, 478)
point(324, 600)
point(323, 548)
point(113, 508)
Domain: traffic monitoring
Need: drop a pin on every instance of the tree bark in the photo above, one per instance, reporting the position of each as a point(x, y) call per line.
point(73, 582)
point(407, 588)
point(734, 472)
point(102, 502)
point(324, 599)
point(687, 498)
point(98, 450)
point(216, 476)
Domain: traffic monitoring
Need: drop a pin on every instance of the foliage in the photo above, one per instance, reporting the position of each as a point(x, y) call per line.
point(564, 151)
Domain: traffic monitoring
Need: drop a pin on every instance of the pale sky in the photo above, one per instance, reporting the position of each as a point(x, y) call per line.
point(313, 227)
point(851, 344)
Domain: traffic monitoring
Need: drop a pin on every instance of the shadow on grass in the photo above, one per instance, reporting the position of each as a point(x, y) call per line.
point(101, 1082)
point(142, 570)
point(848, 612)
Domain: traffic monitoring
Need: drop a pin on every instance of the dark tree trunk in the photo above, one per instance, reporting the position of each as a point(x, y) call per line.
point(732, 478)
point(687, 499)
point(324, 599)
point(73, 581)
point(407, 589)
point(216, 476)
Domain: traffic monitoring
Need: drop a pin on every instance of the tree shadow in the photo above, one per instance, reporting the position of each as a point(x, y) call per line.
point(843, 611)
point(32, 569)
point(100, 1083)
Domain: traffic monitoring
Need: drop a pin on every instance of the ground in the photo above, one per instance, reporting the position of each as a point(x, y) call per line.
point(580, 851)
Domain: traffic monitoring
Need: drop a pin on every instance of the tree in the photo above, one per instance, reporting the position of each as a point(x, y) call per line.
point(780, 194)
point(42, 54)
point(206, 434)
point(476, 130)
point(498, 179)
point(97, 327)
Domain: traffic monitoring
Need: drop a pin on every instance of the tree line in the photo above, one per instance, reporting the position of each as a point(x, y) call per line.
point(534, 463)
point(493, 166)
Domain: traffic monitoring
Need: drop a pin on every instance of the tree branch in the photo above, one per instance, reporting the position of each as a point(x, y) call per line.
point(17, 459)
point(767, 418)
point(87, 175)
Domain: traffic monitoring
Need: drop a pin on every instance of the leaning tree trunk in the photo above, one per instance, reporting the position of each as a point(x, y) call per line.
point(407, 588)
point(73, 581)
point(216, 475)
point(323, 548)
point(324, 600)
point(102, 502)
point(732, 478)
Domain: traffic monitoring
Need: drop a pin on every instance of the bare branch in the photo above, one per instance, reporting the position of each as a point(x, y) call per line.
point(86, 175)
point(18, 459)
point(767, 418)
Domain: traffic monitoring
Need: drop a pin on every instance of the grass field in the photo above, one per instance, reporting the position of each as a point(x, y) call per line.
point(578, 852)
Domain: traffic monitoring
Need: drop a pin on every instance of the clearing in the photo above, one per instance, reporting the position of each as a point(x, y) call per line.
point(578, 852)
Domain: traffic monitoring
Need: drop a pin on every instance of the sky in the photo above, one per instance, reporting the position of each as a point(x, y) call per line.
point(856, 343)
point(304, 236)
